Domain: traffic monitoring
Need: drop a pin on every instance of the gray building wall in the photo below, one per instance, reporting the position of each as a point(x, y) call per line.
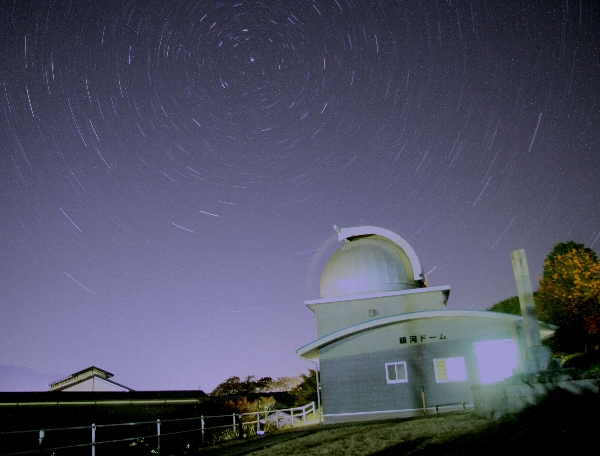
point(334, 316)
point(353, 372)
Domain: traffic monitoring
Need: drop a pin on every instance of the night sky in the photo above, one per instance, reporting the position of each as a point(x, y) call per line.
point(169, 170)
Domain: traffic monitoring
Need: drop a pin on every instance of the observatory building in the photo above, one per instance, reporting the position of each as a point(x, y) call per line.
point(387, 347)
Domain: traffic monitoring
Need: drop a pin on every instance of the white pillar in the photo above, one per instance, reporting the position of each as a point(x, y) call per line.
point(202, 425)
point(538, 355)
point(93, 439)
point(41, 436)
point(158, 433)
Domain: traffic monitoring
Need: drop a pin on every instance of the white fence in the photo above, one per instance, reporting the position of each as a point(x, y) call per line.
point(240, 426)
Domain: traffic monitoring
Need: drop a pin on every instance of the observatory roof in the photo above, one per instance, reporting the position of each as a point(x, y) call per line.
point(374, 260)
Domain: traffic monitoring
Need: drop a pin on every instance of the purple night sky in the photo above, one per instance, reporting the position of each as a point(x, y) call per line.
point(170, 168)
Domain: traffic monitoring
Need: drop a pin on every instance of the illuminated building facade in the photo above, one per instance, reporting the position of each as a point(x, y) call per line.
point(388, 347)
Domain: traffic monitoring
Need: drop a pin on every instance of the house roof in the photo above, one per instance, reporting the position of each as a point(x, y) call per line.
point(106, 373)
point(92, 370)
point(87, 398)
point(86, 379)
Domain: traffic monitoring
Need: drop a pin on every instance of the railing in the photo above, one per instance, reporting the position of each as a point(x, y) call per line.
point(207, 429)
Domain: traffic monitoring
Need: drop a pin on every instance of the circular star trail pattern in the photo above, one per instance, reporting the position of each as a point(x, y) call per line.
point(171, 170)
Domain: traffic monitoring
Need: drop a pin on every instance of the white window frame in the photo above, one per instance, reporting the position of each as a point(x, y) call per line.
point(396, 365)
point(449, 380)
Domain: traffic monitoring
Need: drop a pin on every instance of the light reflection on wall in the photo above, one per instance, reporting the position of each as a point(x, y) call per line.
point(496, 359)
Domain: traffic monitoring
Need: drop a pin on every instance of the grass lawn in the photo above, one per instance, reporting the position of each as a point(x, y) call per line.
point(376, 436)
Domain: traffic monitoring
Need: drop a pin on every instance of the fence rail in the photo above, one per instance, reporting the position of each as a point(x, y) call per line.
point(241, 425)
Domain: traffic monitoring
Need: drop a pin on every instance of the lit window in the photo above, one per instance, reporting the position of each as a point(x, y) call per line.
point(496, 359)
point(396, 372)
point(450, 370)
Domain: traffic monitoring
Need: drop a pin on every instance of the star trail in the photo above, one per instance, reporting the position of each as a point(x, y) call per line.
point(163, 162)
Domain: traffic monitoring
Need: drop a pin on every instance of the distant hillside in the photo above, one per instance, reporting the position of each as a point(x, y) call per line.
point(18, 378)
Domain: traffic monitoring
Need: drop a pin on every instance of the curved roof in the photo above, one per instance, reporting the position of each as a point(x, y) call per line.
point(374, 260)
point(311, 351)
point(346, 233)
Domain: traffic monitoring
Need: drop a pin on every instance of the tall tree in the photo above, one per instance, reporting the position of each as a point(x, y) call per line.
point(569, 296)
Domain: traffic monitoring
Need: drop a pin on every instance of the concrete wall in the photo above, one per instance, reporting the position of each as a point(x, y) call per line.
point(513, 395)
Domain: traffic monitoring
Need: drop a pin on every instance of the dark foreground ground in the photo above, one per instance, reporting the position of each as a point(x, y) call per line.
point(562, 425)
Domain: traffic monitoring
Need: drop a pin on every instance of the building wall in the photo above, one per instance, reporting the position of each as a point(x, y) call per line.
point(95, 384)
point(353, 372)
point(334, 316)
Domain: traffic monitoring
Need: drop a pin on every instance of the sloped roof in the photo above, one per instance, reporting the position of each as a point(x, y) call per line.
point(69, 386)
point(80, 376)
point(83, 398)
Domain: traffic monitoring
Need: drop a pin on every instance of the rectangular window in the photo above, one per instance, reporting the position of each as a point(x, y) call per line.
point(450, 370)
point(396, 372)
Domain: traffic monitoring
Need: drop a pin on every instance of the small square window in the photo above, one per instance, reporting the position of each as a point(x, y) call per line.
point(396, 372)
point(450, 370)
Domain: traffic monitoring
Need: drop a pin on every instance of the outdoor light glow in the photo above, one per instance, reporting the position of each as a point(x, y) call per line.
point(496, 359)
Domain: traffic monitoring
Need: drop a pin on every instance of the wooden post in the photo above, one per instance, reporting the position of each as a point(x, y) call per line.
point(424, 401)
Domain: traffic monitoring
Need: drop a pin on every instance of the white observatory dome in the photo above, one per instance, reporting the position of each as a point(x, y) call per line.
point(367, 264)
